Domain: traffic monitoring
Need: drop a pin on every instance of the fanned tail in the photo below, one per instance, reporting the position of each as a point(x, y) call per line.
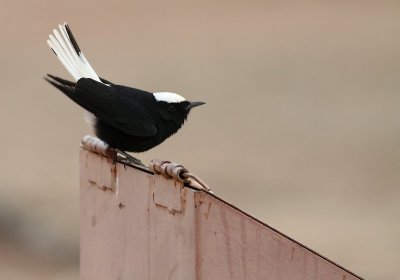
point(66, 48)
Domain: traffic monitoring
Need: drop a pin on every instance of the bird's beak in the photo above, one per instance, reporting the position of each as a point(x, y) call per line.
point(194, 104)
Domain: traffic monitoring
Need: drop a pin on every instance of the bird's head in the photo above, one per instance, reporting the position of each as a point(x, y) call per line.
point(173, 107)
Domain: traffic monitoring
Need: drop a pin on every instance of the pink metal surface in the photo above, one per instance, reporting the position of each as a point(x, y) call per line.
point(135, 225)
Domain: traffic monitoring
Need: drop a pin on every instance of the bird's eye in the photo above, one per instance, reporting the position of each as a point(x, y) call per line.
point(172, 108)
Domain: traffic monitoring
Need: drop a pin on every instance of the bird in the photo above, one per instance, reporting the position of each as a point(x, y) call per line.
point(125, 118)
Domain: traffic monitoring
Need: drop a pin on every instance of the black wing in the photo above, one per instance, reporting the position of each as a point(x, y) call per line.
point(117, 106)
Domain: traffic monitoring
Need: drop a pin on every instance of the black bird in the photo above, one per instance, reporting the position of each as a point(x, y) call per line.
point(127, 119)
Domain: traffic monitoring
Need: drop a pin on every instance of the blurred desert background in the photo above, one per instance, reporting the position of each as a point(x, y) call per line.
point(301, 127)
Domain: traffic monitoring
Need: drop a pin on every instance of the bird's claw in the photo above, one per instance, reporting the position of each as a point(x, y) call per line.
point(128, 159)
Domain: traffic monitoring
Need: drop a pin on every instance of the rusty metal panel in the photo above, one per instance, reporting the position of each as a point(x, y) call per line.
point(136, 225)
point(133, 225)
point(233, 245)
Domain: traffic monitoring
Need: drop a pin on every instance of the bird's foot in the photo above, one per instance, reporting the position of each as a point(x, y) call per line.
point(128, 159)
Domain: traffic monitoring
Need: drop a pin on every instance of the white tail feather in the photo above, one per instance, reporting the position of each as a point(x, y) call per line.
point(73, 61)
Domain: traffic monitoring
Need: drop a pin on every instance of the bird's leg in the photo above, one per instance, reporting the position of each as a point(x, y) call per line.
point(112, 154)
point(129, 158)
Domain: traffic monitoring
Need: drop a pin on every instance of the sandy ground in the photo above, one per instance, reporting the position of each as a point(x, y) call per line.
point(301, 127)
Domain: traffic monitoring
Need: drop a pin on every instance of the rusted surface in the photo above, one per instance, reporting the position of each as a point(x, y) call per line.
point(125, 234)
point(232, 245)
point(151, 227)
point(174, 201)
point(104, 176)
